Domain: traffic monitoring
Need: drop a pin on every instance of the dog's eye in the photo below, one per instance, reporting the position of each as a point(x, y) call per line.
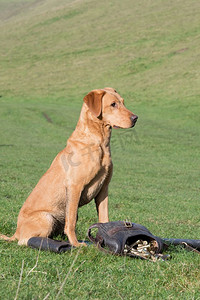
point(114, 104)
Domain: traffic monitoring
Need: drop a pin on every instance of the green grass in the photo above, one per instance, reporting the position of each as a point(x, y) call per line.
point(52, 53)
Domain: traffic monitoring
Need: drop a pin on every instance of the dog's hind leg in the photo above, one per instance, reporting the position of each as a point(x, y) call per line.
point(41, 225)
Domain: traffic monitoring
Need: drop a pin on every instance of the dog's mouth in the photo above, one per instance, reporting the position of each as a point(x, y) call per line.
point(133, 122)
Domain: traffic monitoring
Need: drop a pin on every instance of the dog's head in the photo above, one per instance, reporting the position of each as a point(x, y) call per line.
point(107, 105)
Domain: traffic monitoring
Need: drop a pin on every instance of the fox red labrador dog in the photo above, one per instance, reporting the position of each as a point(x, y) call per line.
point(79, 173)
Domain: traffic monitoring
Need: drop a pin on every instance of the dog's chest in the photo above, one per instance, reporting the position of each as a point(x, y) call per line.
point(92, 189)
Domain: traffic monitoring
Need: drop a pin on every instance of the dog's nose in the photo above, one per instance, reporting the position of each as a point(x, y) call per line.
point(134, 119)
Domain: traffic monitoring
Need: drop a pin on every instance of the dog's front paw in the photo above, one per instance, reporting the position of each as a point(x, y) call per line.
point(80, 244)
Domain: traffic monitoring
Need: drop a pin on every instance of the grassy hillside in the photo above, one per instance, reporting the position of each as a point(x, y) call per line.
point(148, 49)
point(52, 53)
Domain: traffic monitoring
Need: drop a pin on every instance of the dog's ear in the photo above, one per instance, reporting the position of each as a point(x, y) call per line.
point(94, 101)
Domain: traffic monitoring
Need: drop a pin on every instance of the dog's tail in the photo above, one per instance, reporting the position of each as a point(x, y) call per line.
point(8, 239)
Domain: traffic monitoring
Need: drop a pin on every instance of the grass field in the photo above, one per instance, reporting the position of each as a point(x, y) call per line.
point(52, 53)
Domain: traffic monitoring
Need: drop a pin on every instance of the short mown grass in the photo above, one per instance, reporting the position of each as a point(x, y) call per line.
point(52, 54)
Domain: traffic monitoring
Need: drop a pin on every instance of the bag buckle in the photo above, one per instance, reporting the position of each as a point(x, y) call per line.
point(128, 224)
